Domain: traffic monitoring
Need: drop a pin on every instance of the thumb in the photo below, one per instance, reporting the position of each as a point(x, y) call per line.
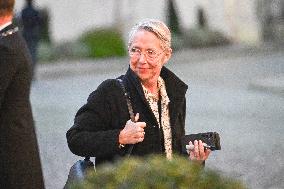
point(136, 117)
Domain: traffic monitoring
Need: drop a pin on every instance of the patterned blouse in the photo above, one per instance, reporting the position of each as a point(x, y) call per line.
point(165, 118)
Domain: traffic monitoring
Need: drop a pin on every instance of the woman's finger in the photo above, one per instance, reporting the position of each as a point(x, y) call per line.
point(196, 149)
point(201, 149)
point(136, 117)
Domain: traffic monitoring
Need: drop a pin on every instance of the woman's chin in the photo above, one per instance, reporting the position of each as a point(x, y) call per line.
point(142, 74)
point(143, 78)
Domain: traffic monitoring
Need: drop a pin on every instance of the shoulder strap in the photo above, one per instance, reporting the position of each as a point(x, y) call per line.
point(127, 97)
point(130, 110)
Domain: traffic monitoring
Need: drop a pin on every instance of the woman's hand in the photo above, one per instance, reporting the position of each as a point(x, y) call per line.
point(198, 153)
point(133, 132)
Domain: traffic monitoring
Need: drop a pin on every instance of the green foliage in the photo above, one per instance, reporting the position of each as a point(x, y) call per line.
point(156, 172)
point(102, 43)
point(203, 37)
point(44, 28)
point(45, 52)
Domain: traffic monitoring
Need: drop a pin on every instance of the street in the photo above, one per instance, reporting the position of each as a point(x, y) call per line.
point(223, 96)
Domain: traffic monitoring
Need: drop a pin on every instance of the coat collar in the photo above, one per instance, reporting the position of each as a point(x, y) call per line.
point(176, 90)
point(175, 87)
point(9, 30)
point(3, 26)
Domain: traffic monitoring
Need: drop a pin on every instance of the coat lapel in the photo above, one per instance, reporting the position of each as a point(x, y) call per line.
point(134, 81)
point(176, 90)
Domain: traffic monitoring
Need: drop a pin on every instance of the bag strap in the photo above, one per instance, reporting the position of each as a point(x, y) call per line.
point(130, 110)
point(127, 98)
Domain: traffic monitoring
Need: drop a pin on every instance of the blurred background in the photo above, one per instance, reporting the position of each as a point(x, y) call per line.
point(67, 24)
point(229, 52)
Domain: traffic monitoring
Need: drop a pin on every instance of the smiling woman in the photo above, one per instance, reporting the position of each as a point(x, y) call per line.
point(102, 127)
point(148, 66)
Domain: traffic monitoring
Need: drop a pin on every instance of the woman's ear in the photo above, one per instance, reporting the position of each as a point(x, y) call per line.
point(168, 54)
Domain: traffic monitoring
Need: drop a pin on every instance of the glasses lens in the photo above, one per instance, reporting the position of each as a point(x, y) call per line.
point(150, 55)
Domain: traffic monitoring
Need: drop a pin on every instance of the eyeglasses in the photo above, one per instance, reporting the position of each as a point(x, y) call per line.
point(150, 55)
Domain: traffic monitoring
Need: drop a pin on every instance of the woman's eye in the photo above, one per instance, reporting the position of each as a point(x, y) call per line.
point(150, 52)
point(133, 49)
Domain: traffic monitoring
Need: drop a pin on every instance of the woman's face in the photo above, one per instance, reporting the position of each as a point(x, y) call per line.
point(147, 56)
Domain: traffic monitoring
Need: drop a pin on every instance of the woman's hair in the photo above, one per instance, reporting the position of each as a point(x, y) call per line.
point(6, 7)
point(157, 27)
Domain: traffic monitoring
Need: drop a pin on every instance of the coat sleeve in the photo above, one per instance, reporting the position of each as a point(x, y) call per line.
point(94, 133)
point(7, 70)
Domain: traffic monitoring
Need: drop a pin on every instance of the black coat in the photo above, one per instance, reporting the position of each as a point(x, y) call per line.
point(19, 156)
point(98, 123)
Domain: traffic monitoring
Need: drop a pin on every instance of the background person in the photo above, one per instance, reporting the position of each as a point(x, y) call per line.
point(20, 166)
point(31, 23)
point(102, 128)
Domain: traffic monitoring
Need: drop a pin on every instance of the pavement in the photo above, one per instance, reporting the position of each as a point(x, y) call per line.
point(66, 68)
point(270, 84)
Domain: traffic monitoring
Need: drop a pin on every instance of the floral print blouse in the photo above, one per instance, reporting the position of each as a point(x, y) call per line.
point(165, 118)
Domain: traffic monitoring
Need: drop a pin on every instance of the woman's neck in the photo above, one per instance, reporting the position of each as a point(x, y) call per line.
point(152, 87)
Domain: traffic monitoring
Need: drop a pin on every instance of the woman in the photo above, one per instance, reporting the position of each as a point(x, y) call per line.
point(102, 127)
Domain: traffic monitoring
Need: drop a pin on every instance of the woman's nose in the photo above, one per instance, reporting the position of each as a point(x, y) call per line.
point(142, 58)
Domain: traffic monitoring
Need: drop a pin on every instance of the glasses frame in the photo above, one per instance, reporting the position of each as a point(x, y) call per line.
point(150, 59)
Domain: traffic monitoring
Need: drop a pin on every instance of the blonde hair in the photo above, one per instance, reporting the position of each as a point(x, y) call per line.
point(157, 27)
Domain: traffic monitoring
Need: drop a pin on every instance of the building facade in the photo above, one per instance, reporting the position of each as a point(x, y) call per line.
point(243, 21)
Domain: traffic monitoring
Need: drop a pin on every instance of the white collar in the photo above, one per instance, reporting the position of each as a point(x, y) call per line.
point(5, 25)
